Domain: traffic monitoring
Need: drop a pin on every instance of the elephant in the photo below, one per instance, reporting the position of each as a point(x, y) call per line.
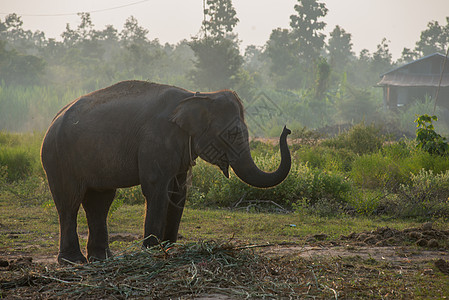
point(138, 132)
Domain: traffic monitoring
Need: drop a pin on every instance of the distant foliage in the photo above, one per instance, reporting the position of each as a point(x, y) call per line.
point(217, 53)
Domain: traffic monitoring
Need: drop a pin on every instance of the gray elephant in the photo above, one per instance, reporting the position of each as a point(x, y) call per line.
point(136, 132)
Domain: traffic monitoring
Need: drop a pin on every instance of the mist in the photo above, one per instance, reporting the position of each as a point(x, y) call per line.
point(321, 85)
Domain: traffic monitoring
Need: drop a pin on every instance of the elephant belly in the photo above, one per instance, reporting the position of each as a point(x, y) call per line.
point(104, 167)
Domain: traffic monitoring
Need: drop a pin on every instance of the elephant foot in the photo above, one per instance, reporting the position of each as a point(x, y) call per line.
point(98, 254)
point(71, 258)
point(150, 242)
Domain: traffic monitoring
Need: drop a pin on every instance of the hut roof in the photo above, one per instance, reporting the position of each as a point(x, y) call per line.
point(425, 71)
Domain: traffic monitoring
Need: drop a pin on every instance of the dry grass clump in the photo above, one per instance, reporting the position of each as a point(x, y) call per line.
point(167, 271)
point(207, 270)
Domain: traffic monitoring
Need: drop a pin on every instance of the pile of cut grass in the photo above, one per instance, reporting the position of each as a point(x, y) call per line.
point(166, 271)
point(211, 269)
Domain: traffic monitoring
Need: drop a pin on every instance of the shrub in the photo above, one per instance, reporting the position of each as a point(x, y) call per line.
point(211, 188)
point(330, 159)
point(420, 107)
point(360, 139)
point(319, 185)
point(131, 196)
point(19, 153)
point(306, 136)
point(399, 150)
point(365, 202)
point(18, 162)
point(377, 171)
point(426, 196)
point(421, 159)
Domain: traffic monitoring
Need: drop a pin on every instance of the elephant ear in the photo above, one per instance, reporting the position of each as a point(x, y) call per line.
point(192, 115)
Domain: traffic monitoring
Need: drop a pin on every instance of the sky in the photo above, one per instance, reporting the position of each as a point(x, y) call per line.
point(368, 21)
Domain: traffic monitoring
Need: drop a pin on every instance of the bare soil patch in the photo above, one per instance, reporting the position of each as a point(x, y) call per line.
point(383, 263)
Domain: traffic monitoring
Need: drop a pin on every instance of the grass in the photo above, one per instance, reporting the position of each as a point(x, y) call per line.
point(204, 263)
point(214, 256)
point(212, 269)
point(35, 229)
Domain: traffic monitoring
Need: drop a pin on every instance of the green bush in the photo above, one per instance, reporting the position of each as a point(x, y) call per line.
point(399, 150)
point(376, 171)
point(420, 107)
point(330, 159)
point(19, 155)
point(361, 139)
point(427, 138)
point(421, 159)
point(17, 162)
point(26, 108)
point(426, 196)
point(130, 196)
point(211, 188)
point(365, 202)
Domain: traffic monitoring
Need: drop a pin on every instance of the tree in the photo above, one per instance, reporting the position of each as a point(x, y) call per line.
point(306, 29)
point(17, 68)
point(283, 51)
point(222, 18)
point(340, 48)
point(217, 62)
point(85, 31)
point(357, 105)
point(132, 33)
point(382, 58)
point(24, 41)
point(322, 74)
point(433, 39)
point(109, 34)
point(254, 58)
point(217, 54)
point(407, 56)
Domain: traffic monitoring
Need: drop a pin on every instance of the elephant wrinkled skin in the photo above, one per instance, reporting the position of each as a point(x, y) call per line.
point(136, 132)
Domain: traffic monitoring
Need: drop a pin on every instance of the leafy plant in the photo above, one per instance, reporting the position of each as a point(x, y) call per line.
point(427, 138)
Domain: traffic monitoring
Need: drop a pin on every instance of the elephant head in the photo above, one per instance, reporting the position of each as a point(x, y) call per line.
point(215, 122)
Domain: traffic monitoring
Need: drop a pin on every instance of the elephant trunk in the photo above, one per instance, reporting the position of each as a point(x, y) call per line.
point(247, 171)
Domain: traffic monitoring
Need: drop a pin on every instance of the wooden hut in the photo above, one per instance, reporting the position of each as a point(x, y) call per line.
point(416, 81)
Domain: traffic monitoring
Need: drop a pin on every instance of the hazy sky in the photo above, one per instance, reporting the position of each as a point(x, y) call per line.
point(400, 21)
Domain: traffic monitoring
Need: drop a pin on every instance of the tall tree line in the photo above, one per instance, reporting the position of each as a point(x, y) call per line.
point(295, 58)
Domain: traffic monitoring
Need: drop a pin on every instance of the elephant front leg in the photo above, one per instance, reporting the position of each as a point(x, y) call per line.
point(176, 204)
point(156, 196)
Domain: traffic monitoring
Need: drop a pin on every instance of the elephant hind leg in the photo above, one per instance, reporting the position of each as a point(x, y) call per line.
point(67, 197)
point(96, 205)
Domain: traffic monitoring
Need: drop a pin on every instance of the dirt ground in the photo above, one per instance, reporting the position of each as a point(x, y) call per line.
point(424, 250)
point(413, 246)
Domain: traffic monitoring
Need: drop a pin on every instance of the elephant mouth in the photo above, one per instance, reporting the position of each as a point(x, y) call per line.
point(223, 164)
